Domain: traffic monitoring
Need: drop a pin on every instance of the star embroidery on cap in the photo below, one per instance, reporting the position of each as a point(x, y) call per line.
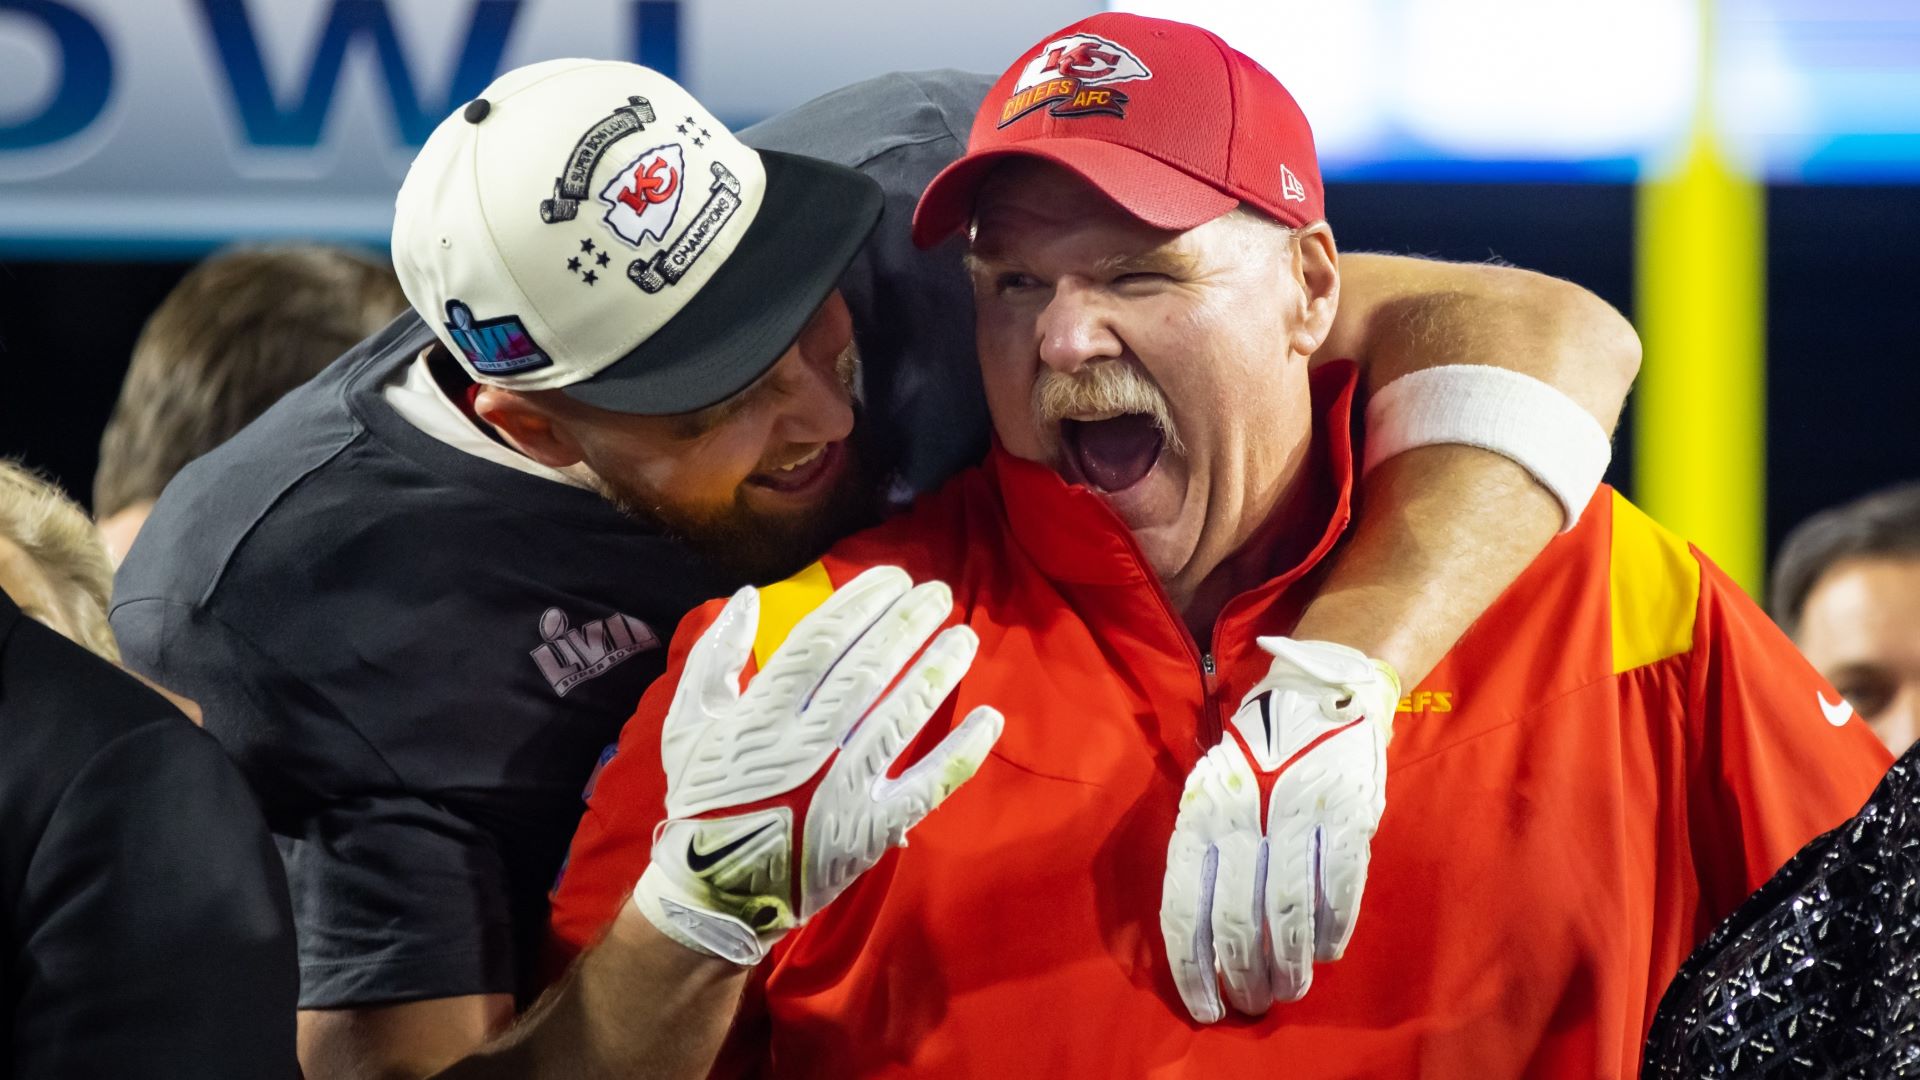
point(573, 264)
point(704, 135)
point(681, 128)
point(589, 277)
point(692, 121)
point(699, 142)
point(601, 258)
point(586, 245)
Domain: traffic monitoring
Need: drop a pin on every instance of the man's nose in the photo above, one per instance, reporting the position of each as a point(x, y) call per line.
point(1074, 330)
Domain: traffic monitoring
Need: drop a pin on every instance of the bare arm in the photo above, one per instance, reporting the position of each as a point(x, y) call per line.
point(636, 1005)
point(1444, 529)
point(1400, 315)
point(397, 1042)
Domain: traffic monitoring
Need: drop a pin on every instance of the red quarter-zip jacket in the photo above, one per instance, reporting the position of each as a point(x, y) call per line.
point(1619, 750)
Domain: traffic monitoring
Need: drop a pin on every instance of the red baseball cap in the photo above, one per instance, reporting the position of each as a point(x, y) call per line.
point(1166, 119)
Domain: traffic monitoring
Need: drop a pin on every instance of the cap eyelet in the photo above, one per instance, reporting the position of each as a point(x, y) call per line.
point(476, 110)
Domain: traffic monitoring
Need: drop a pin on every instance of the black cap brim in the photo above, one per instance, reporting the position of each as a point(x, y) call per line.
point(813, 220)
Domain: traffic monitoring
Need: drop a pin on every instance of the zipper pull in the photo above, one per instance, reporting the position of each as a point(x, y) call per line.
point(1210, 719)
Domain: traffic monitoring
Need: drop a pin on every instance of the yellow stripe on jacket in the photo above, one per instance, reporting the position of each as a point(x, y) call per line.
point(1654, 588)
point(785, 603)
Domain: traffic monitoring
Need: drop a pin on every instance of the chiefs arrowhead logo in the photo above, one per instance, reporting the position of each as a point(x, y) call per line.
point(644, 194)
point(1084, 58)
point(1069, 74)
point(655, 185)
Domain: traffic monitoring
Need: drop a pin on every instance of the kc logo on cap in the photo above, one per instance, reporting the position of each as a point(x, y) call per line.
point(1067, 73)
point(643, 197)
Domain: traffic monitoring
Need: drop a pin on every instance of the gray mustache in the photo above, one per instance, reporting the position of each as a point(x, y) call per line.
point(1110, 386)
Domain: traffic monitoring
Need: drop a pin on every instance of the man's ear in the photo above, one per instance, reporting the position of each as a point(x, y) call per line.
point(1316, 270)
point(529, 424)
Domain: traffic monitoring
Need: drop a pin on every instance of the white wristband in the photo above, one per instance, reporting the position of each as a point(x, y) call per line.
point(676, 914)
point(1513, 415)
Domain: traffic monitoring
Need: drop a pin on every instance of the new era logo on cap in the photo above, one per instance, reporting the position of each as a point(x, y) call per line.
point(1291, 189)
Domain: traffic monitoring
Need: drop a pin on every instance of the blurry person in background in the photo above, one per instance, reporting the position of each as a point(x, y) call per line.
point(147, 931)
point(242, 329)
point(1846, 587)
point(51, 561)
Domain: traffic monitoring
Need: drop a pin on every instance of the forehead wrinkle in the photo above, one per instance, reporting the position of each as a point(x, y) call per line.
point(1169, 258)
point(1171, 255)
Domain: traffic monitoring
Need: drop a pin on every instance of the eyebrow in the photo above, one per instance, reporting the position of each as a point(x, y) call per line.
point(979, 265)
point(694, 424)
point(1164, 259)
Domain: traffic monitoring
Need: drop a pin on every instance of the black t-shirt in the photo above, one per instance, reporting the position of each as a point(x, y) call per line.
point(144, 928)
point(417, 655)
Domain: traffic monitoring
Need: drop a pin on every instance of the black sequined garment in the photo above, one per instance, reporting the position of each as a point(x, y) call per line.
point(1818, 973)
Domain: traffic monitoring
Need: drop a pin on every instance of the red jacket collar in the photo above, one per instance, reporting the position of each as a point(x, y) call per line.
point(1073, 537)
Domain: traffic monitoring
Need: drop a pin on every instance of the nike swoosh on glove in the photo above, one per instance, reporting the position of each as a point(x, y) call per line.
point(779, 796)
point(1269, 854)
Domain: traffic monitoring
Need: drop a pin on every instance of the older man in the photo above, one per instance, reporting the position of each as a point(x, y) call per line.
point(1166, 804)
point(413, 607)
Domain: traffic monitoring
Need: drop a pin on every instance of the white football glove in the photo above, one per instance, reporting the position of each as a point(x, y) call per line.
point(778, 797)
point(1252, 898)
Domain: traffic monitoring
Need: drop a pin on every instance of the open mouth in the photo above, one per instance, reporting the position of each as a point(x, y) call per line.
point(800, 473)
point(1113, 453)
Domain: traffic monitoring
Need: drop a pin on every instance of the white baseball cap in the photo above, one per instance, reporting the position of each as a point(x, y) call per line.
point(586, 225)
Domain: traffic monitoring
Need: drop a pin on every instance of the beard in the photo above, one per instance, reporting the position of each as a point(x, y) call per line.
point(757, 546)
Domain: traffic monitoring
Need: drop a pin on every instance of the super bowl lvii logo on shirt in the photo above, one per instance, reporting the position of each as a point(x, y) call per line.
point(572, 656)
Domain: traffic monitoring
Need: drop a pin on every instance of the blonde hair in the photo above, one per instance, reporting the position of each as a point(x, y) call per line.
point(60, 540)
